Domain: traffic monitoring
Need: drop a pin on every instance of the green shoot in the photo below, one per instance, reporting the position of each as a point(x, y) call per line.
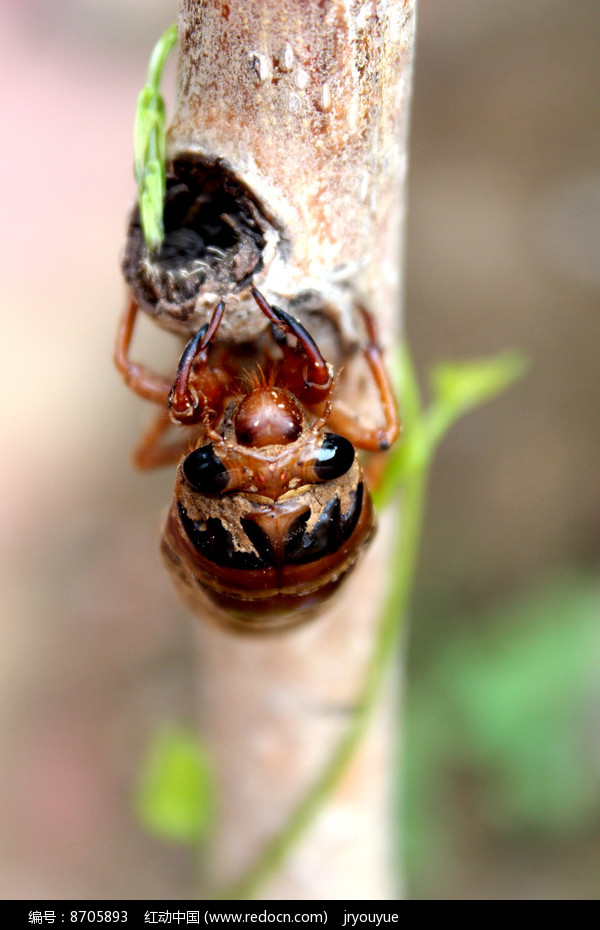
point(150, 144)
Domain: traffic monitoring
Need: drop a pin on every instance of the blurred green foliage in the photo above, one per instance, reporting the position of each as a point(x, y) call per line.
point(509, 702)
point(175, 798)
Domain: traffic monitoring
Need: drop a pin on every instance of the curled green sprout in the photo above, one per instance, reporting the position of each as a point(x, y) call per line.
point(150, 144)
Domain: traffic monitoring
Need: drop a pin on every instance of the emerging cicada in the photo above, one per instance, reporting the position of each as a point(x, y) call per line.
point(270, 509)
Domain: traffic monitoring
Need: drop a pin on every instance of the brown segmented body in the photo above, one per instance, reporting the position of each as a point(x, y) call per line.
point(268, 559)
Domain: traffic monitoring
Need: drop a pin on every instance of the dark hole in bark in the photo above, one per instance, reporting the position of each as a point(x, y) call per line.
point(214, 241)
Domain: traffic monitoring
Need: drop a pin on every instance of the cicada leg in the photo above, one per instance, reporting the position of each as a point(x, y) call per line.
point(140, 379)
point(184, 396)
point(342, 420)
point(314, 383)
point(153, 452)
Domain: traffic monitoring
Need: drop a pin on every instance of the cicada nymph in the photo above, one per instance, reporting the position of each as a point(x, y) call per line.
point(270, 509)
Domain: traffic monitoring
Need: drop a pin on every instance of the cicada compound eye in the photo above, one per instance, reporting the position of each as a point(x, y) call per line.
point(335, 457)
point(204, 472)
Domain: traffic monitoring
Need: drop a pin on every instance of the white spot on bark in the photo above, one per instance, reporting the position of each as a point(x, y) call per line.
point(286, 59)
point(301, 78)
point(261, 66)
point(324, 101)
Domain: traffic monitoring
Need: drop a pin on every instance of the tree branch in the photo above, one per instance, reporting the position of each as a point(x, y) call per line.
point(303, 108)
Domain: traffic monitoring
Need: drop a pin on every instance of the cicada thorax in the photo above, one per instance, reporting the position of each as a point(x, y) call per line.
point(269, 516)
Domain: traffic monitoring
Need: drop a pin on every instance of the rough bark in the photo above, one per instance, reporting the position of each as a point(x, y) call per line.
point(306, 104)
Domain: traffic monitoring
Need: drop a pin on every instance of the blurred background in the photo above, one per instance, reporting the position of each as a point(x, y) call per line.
point(501, 795)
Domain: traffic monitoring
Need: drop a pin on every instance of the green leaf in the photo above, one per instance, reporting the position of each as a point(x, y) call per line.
point(176, 789)
point(460, 386)
point(457, 388)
